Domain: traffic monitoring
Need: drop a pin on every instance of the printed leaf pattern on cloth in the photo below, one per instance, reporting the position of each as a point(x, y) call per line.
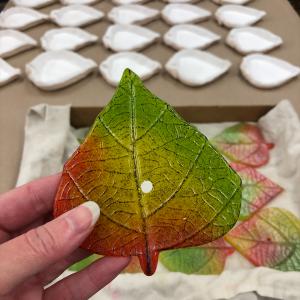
point(203, 260)
point(257, 190)
point(243, 143)
point(195, 196)
point(271, 238)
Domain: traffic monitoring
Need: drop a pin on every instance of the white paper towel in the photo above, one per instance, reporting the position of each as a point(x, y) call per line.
point(49, 140)
point(46, 131)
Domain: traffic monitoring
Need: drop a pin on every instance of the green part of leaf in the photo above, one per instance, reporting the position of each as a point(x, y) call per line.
point(271, 238)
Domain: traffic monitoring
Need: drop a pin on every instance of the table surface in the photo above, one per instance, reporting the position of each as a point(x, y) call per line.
point(229, 91)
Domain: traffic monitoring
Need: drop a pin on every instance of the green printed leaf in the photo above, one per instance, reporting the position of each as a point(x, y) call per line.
point(84, 263)
point(205, 260)
point(159, 182)
point(271, 238)
point(243, 143)
point(257, 190)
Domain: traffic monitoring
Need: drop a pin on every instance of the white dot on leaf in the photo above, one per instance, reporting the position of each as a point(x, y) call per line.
point(146, 186)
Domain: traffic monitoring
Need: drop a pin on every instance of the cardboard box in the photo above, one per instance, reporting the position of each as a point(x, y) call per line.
point(230, 98)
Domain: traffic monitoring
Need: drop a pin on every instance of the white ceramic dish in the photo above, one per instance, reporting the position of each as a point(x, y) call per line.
point(252, 39)
point(76, 15)
point(267, 72)
point(184, 13)
point(188, 36)
point(53, 70)
point(195, 67)
point(7, 72)
point(236, 2)
point(233, 16)
point(132, 14)
point(13, 42)
point(126, 2)
point(67, 38)
point(81, 2)
point(180, 1)
point(128, 37)
point(33, 3)
point(21, 18)
point(112, 68)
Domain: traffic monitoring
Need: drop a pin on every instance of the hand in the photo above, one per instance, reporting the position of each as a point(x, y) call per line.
point(33, 252)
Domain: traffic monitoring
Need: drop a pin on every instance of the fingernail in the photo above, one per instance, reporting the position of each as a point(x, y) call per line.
point(94, 210)
point(84, 216)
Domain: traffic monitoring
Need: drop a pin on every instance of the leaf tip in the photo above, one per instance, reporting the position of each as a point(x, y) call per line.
point(129, 75)
point(149, 262)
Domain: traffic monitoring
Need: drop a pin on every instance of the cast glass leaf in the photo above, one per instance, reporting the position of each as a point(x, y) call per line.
point(257, 190)
point(203, 260)
point(271, 238)
point(243, 143)
point(194, 198)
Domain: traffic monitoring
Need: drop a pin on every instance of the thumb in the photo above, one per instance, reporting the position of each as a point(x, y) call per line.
point(30, 253)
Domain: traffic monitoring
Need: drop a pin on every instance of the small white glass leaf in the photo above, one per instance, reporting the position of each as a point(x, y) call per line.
point(188, 36)
point(126, 2)
point(132, 14)
point(128, 37)
point(252, 39)
point(233, 16)
point(13, 42)
point(66, 39)
point(266, 71)
point(82, 2)
point(53, 70)
point(112, 68)
point(184, 13)
point(236, 2)
point(21, 18)
point(195, 67)
point(76, 15)
point(33, 3)
point(180, 1)
point(7, 72)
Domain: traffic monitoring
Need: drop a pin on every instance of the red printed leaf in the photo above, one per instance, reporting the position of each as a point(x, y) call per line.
point(257, 190)
point(271, 238)
point(243, 143)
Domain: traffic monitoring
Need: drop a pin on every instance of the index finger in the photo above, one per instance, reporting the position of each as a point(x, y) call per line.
point(23, 205)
